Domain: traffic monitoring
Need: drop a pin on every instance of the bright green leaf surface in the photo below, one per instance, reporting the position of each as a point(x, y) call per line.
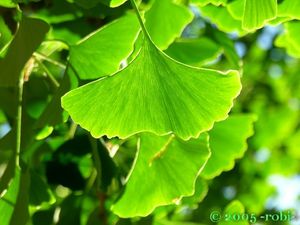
point(235, 207)
point(227, 143)
point(195, 52)
point(257, 13)
point(162, 161)
point(201, 189)
point(154, 94)
point(7, 3)
point(236, 9)
point(222, 18)
point(289, 8)
point(28, 37)
point(290, 39)
point(165, 21)
point(90, 57)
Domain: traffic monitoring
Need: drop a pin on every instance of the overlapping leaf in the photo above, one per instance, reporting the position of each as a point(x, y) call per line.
point(290, 39)
point(195, 52)
point(101, 53)
point(227, 143)
point(28, 37)
point(257, 13)
point(165, 21)
point(223, 19)
point(170, 166)
point(289, 8)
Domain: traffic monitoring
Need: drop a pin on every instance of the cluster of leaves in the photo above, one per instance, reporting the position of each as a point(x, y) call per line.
point(154, 86)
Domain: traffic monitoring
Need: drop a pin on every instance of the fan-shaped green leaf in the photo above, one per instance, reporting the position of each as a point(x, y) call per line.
point(227, 143)
point(195, 52)
point(165, 170)
point(28, 37)
point(156, 94)
point(90, 57)
point(165, 21)
point(257, 13)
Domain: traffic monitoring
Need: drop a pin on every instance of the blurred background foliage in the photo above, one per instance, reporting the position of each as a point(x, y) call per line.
point(64, 188)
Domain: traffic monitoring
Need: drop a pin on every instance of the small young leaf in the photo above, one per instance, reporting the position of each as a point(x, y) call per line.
point(234, 208)
point(167, 168)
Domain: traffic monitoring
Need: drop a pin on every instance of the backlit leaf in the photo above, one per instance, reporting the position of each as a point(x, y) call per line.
point(91, 59)
point(289, 8)
point(290, 39)
point(234, 212)
point(155, 94)
point(227, 143)
point(257, 13)
point(195, 52)
point(162, 161)
point(165, 21)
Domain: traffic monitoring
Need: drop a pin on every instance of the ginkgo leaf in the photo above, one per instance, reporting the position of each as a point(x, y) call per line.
point(257, 13)
point(222, 18)
point(28, 37)
point(171, 167)
point(236, 9)
point(228, 142)
point(235, 208)
point(195, 52)
point(155, 94)
point(90, 57)
point(165, 21)
point(289, 8)
point(290, 38)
